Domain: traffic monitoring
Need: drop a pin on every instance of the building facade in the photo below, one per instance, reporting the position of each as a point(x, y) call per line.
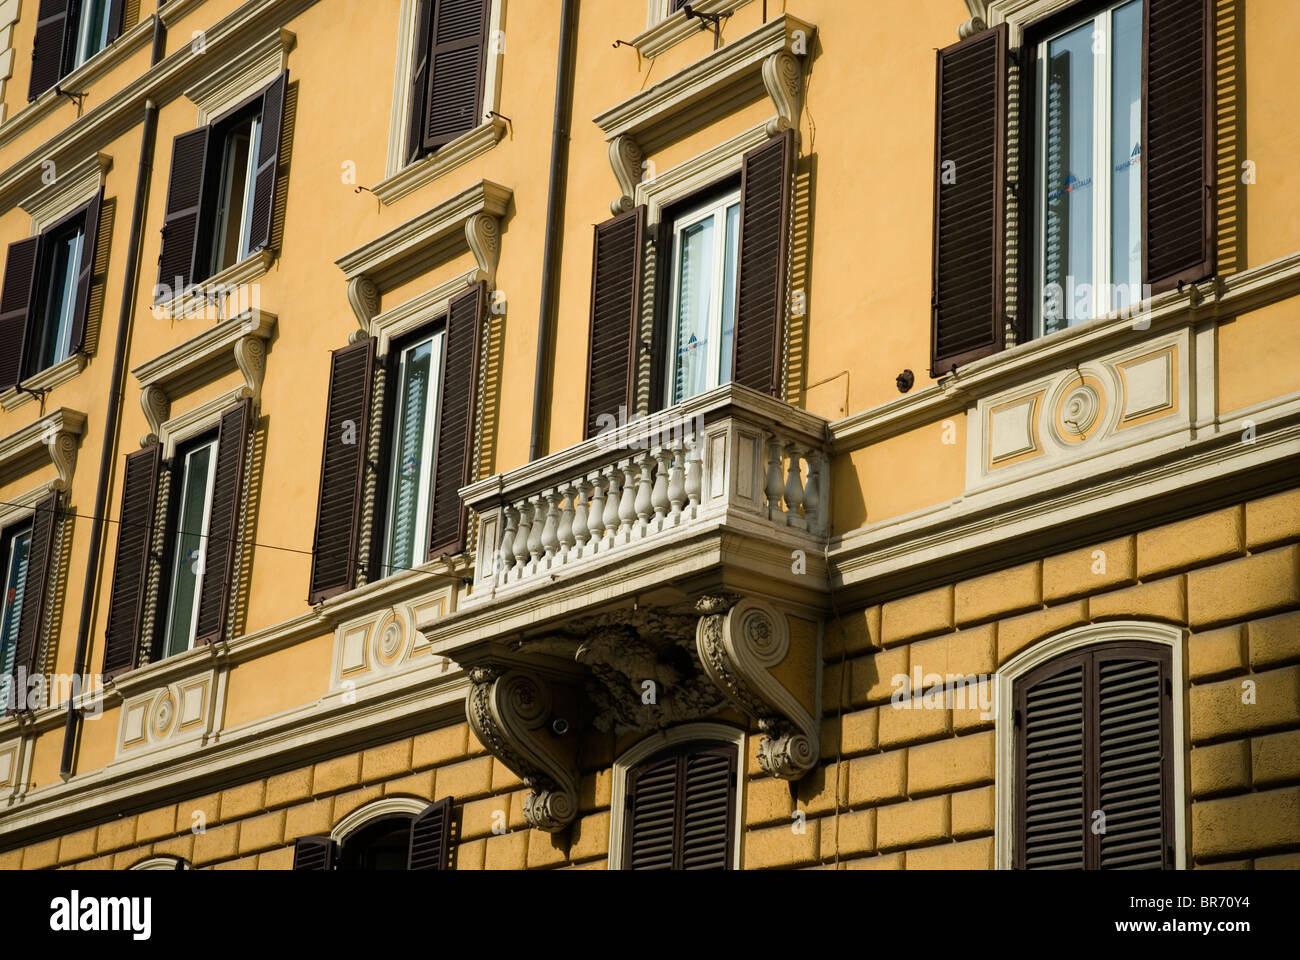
point(479, 434)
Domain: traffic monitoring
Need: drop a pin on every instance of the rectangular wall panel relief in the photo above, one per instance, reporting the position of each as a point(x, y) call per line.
point(379, 645)
point(165, 716)
point(1092, 410)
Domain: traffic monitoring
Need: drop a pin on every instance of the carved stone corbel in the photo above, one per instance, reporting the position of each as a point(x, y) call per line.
point(971, 27)
point(783, 78)
point(507, 708)
point(483, 234)
point(63, 453)
point(250, 357)
point(363, 295)
point(739, 645)
point(628, 160)
point(157, 408)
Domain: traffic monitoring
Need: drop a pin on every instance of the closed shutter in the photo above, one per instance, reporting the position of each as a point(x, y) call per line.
point(448, 515)
point(180, 232)
point(47, 52)
point(338, 512)
point(681, 810)
point(39, 558)
point(86, 274)
point(431, 838)
point(615, 314)
point(1178, 143)
point(134, 529)
point(766, 179)
point(315, 853)
point(419, 80)
point(454, 100)
point(115, 9)
point(15, 306)
point(265, 178)
point(223, 524)
point(1094, 764)
point(967, 309)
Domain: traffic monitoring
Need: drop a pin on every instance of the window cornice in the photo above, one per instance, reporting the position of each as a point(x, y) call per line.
point(71, 188)
point(665, 28)
point(241, 76)
point(51, 439)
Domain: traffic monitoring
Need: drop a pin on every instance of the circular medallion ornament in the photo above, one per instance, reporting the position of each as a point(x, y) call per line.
point(389, 642)
point(164, 715)
point(1080, 409)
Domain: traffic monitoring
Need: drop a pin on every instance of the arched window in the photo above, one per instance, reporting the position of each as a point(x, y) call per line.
point(1090, 751)
point(396, 833)
point(676, 801)
point(382, 844)
point(162, 863)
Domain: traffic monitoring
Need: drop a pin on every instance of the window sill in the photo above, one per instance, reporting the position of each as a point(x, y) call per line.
point(211, 299)
point(675, 28)
point(46, 380)
point(423, 172)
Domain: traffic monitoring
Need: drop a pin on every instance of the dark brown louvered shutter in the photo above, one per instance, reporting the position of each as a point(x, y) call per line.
point(431, 837)
point(967, 309)
point(180, 233)
point(419, 80)
point(615, 315)
point(115, 10)
point(47, 52)
point(708, 805)
point(762, 282)
point(681, 810)
point(457, 59)
point(39, 558)
point(1178, 143)
point(1134, 758)
point(652, 791)
point(338, 512)
point(315, 853)
point(223, 523)
point(15, 308)
point(1051, 792)
point(265, 179)
point(130, 569)
point(86, 274)
point(453, 452)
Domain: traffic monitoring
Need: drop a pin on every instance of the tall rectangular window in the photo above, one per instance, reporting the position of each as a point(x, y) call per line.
point(189, 544)
point(419, 372)
point(232, 229)
point(705, 247)
point(61, 255)
point(14, 549)
point(92, 31)
point(1089, 117)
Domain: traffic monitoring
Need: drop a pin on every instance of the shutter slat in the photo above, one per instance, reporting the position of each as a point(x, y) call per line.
point(86, 274)
point(266, 178)
point(180, 232)
point(115, 11)
point(134, 532)
point(223, 524)
point(615, 314)
point(652, 798)
point(452, 465)
point(47, 50)
point(347, 417)
point(453, 103)
point(419, 80)
point(1130, 711)
point(15, 306)
point(1051, 752)
point(430, 847)
point(40, 555)
point(315, 853)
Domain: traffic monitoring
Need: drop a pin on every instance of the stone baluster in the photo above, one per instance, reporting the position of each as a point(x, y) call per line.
point(596, 515)
point(793, 485)
point(627, 505)
point(580, 530)
point(506, 552)
point(659, 498)
point(812, 497)
point(775, 487)
point(525, 511)
point(677, 479)
point(694, 477)
point(615, 481)
point(644, 504)
point(537, 505)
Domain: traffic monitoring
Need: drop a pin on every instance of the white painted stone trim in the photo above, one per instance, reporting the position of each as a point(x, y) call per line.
point(378, 810)
point(49, 378)
point(72, 187)
point(236, 79)
point(51, 439)
point(163, 863)
point(665, 30)
point(424, 171)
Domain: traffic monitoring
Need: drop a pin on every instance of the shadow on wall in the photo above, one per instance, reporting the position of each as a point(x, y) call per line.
point(1230, 117)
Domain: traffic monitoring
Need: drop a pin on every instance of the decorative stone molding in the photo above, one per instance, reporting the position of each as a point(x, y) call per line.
point(378, 810)
point(237, 78)
point(49, 378)
point(178, 711)
point(783, 78)
point(665, 28)
point(235, 344)
point(51, 439)
point(364, 297)
point(628, 161)
point(423, 172)
point(509, 709)
point(416, 312)
point(227, 293)
point(70, 189)
point(385, 642)
point(739, 645)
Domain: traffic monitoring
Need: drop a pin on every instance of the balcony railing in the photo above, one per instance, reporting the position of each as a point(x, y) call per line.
point(731, 456)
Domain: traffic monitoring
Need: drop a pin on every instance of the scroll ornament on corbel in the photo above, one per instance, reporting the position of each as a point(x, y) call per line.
point(506, 709)
point(628, 161)
point(738, 646)
point(783, 78)
point(157, 408)
point(483, 234)
point(363, 295)
point(63, 453)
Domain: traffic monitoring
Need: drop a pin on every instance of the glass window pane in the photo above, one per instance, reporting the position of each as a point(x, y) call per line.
point(694, 290)
point(15, 579)
point(1126, 157)
point(1068, 173)
point(188, 549)
point(93, 35)
point(233, 221)
point(729, 293)
point(55, 337)
point(412, 448)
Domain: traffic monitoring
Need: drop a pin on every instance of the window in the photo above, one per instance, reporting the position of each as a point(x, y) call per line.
point(396, 833)
point(68, 34)
point(705, 246)
point(381, 845)
point(680, 809)
point(45, 302)
point(1089, 199)
point(195, 476)
point(27, 552)
point(14, 550)
point(448, 73)
point(232, 234)
point(419, 371)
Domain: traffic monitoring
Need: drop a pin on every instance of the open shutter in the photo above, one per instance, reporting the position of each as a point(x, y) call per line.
point(338, 512)
point(115, 8)
point(180, 232)
point(315, 853)
point(39, 557)
point(652, 794)
point(47, 52)
point(452, 466)
point(1178, 143)
point(419, 80)
point(431, 837)
point(457, 59)
point(969, 181)
point(1134, 759)
point(134, 532)
point(86, 274)
point(265, 178)
point(223, 523)
point(1051, 786)
point(15, 306)
point(761, 289)
point(615, 315)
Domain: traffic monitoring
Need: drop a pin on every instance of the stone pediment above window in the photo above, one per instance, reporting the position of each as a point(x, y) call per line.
point(769, 60)
point(237, 78)
point(51, 439)
point(235, 344)
point(70, 188)
point(470, 220)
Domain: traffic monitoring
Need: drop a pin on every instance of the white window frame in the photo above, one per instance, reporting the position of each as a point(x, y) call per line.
point(13, 535)
point(378, 810)
point(655, 743)
point(438, 339)
point(62, 324)
point(1102, 128)
point(81, 55)
point(1138, 631)
point(163, 863)
point(717, 293)
point(203, 549)
point(223, 217)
